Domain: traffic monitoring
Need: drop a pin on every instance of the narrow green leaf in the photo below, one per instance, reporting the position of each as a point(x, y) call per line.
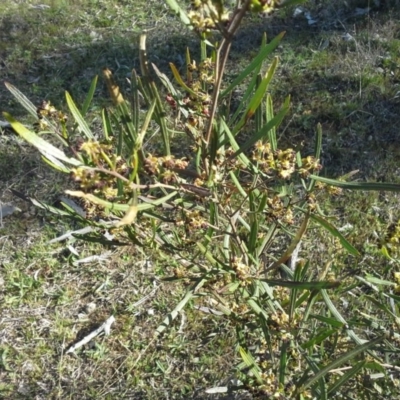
point(245, 97)
point(257, 97)
point(339, 317)
point(129, 130)
point(89, 97)
point(322, 393)
point(145, 126)
point(135, 100)
point(262, 55)
point(44, 147)
point(318, 285)
point(334, 232)
point(346, 377)
point(269, 111)
point(160, 118)
point(249, 89)
point(175, 7)
point(249, 361)
point(179, 79)
point(381, 306)
point(257, 309)
point(121, 207)
point(171, 90)
point(373, 279)
point(264, 131)
point(318, 142)
point(22, 99)
point(252, 242)
point(317, 154)
point(237, 184)
point(283, 362)
point(83, 126)
point(56, 164)
point(368, 186)
point(330, 321)
point(174, 313)
point(375, 367)
point(235, 146)
point(53, 210)
point(341, 360)
point(28, 105)
point(107, 129)
point(318, 338)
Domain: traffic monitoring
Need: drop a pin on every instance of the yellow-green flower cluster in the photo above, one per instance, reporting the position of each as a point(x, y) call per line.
point(331, 190)
point(207, 14)
point(242, 270)
point(165, 167)
point(392, 239)
point(278, 211)
point(194, 219)
point(47, 110)
point(397, 280)
point(282, 163)
point(97, 152)
point(265, 6)
point(94, 181)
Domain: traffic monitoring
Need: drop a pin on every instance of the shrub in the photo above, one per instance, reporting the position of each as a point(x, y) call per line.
point(230, 208)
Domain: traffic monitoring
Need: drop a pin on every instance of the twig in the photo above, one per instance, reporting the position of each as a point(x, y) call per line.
point(106, 326)
point(101, 257)
point(222, 56)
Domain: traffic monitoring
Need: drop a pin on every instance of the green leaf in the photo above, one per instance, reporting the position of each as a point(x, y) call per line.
point(262, 55)
point(257, 98)
point(44, 147)
point(174, 313)
point(235, 146)
point(269, 111)
point(368, 186)
point(373, 279)
point(27, 104)
point(330, 321)
point(135, 99)
point(121, 207)
point(283, 362)
point(318, 285)
point(89, 97)
point(175, 7)
point(83, 126)
point(318, 142)
point(334, 232)
point(322, 393)
point(107, 129)
point(347, 357)
point(257, 309)
point(237, 184)
point(56, 164)
point(249, 361)
point(53, 210)
point(179, 79)
point(264, 131)
point(319, 338)
point(339, 317)
point(22, 99)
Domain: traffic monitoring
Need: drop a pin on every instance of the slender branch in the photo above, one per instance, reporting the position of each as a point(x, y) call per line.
point(222, 56)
